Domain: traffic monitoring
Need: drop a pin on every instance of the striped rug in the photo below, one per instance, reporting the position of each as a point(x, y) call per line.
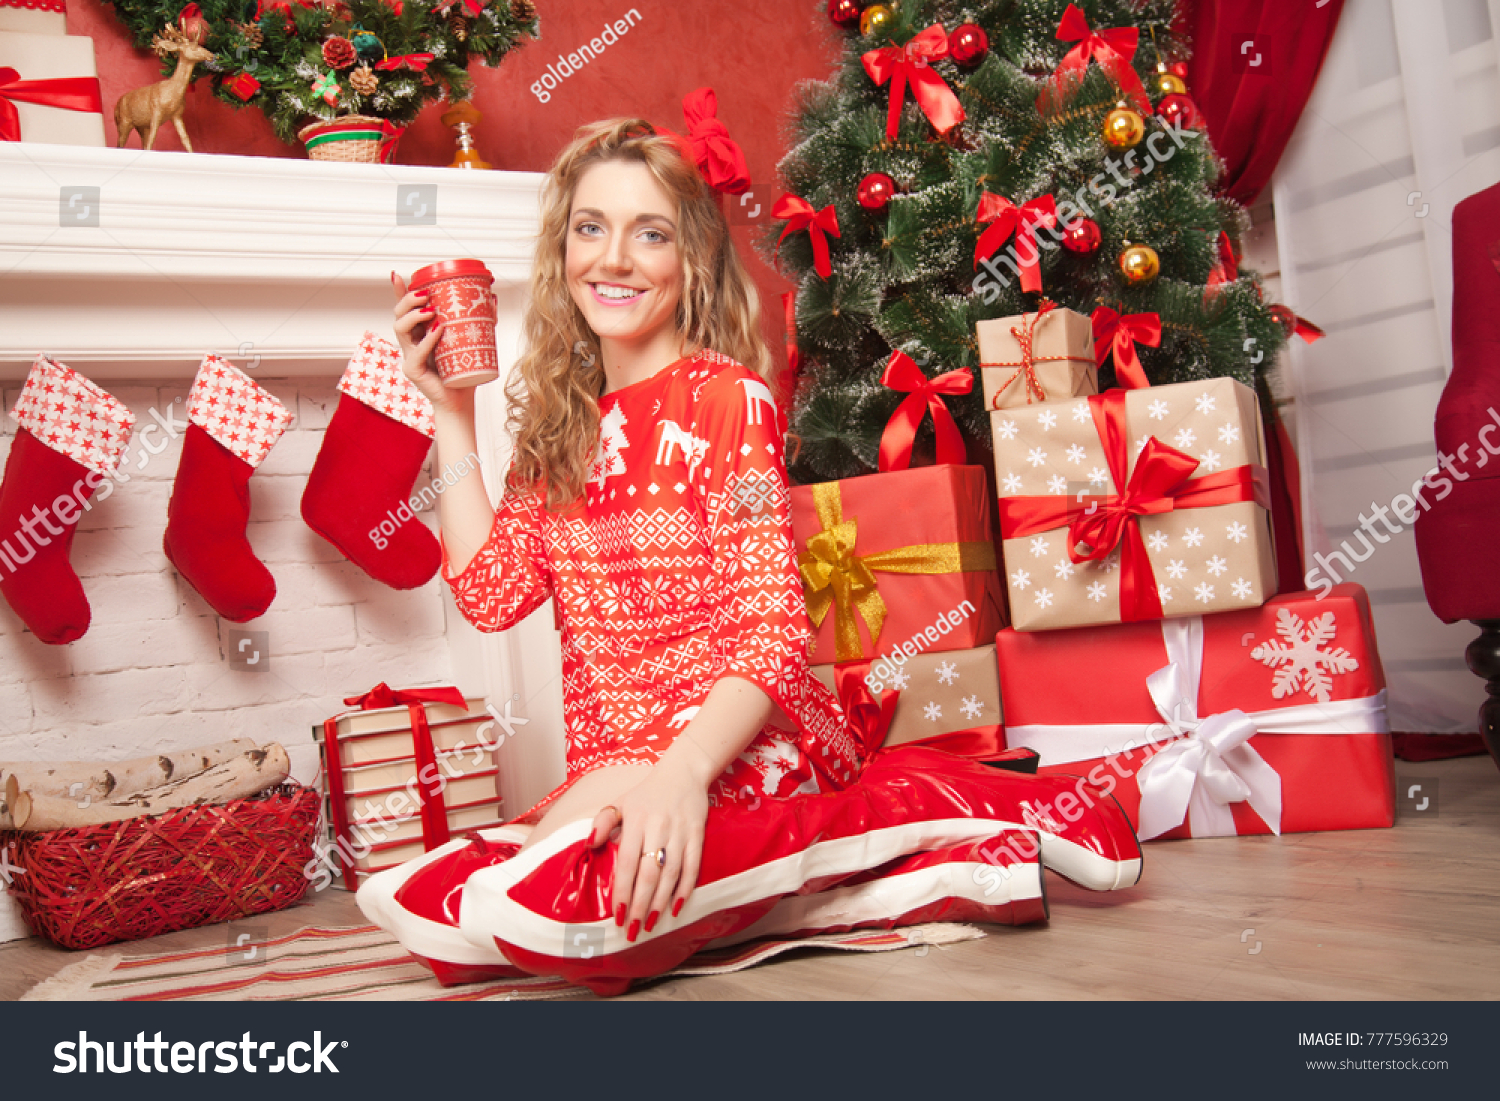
point(365, 963)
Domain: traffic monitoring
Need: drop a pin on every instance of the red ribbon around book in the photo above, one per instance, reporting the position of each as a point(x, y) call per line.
point(912, 65)
point(1004, 218)
point(1161, 482)
point(1112, 49)
point(800, 215)
point(70, 93)
point(923, 395)
point(1120, 335)
point(434, 814)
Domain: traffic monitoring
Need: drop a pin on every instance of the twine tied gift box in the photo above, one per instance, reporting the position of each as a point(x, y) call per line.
point(1035, 357)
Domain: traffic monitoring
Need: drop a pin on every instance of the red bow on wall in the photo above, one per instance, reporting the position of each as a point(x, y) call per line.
point(71, 93)
point(799, 214)
point(912, 64)
point(1112, 49)
point(1005, 218)
point(923, 396)
point(1113, 333)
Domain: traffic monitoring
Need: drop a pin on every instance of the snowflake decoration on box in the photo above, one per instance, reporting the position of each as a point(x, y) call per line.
point(1020, 579)
point(1205, 403)
point(1044, 598)
point(1300, 660)
point(947, 673)
point(1157, 409)
point(1038, 545)
point(900, 679)
point(1064, 569)
point(1228, 433)
point(933, 711)
point(1204, 592)
point(1005, 429)
point(1185, 438)
point(1210, 460)
point(1098, 476)
point(1047, 419)
point(1012, 483)
point(972, 707)
point(1057, 484)
point(1097, 591)
point(1157, 541)
point(1081, 412)
point(1076, 454)
point(1036, 456)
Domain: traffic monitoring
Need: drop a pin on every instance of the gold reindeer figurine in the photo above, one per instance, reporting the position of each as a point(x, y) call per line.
point(146, 108)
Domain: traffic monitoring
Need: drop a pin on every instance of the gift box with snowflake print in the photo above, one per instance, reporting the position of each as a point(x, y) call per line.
point(948, 700)
point(1268, 720)
point(1134, 505)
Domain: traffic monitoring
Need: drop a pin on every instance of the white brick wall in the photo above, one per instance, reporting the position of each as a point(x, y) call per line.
point(152, 672)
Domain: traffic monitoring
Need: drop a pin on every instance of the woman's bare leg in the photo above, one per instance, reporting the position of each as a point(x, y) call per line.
point(588, 795)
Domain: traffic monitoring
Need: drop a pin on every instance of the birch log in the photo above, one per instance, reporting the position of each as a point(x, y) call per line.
point(249, 772)
point(112, 779)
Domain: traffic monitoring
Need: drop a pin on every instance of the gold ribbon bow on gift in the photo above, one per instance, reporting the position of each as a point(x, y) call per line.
point(833, 576)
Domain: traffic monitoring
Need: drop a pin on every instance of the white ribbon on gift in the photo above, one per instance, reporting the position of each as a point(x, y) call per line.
point(1208, 762)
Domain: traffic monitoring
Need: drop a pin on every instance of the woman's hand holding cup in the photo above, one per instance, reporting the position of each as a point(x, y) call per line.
point(418, 338)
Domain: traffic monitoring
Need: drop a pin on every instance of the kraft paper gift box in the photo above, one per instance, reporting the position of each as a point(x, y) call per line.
point(902, 561)
point(949, 700)
point(404, 774)
point(1134, 504)
point(1267, 720)
point(1036, 357)
point(48, 57)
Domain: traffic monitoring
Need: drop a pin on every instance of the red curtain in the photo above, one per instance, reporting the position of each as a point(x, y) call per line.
point(1253, 67)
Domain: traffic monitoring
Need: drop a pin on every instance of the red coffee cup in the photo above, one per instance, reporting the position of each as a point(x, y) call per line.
point(459, 294)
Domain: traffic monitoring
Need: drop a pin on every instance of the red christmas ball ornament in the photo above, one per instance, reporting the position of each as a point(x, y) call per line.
point(844, 13)
point(968, 45)
point(1180, 112)
point(192, 24)
point(1081, 235)
point(875, 191)
point(1178, 69)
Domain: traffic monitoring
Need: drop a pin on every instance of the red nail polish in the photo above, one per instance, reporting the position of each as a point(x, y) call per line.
point(651, 920)
point(620, 914)
point(677, 907)
point(635, 928)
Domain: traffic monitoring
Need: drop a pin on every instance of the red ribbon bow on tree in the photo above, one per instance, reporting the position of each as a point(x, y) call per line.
point(419, 62)
point(71, 93)
point(283, 6)
point(912, 64)
point(923, 396)
point(1226, 268)
point(1162, 481)
point(799, 214)
point(719, 158)
point(1112, 49)
point(1005, 218)
point(1295, 325)
point(434, 814)
point(1113, 333)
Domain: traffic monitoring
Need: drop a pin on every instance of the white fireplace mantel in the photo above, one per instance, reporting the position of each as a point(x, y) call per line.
point(283, 259)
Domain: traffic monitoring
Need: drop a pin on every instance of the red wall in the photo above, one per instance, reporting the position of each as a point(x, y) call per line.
point(751, 54)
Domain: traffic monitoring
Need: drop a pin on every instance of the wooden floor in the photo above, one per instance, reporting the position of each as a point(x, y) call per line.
point(1410, 913)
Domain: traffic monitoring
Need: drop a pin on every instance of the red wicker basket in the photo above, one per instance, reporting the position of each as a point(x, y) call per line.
point(127, 880)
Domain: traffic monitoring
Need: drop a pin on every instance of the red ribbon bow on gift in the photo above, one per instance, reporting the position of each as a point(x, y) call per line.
point(719, 158)
point(390, 134)
point(70, 93)
point(800, 215)
point(1162, 481)
point(923, 396)
point(434, 815)
point(419, 62)
point(1113, 333)
point(869, 720)
point(912, 64)
point(1112, 49)
point(1005, 218)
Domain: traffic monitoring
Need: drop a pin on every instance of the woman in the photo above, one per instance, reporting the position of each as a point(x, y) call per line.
point(648, 496)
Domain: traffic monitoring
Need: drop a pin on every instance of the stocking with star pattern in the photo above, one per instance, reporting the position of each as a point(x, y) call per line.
point(232, 425)
point(358, 494)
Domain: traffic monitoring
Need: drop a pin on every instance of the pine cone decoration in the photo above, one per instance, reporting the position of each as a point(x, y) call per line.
point(252, 33)
point(338, 52)
point(364, 81)
point(459, 26)
point(522, 11)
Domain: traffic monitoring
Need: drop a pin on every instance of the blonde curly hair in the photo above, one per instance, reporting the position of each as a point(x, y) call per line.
point(553, 394)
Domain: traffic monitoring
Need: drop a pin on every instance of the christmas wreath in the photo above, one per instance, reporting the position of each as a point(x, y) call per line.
point(299, 61)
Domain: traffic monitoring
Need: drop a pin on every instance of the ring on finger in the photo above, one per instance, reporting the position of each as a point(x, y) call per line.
point(660, 856)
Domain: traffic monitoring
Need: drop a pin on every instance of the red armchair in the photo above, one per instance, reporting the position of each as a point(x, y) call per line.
point(1458, 574)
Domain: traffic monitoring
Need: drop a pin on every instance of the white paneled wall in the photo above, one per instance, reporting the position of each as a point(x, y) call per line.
point(1404, 122)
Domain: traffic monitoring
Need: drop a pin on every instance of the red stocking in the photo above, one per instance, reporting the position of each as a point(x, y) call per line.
point(357, 493)
point(69, 442)
point(233, 424)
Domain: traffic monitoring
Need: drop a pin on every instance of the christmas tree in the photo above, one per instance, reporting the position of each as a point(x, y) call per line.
point(980, 158)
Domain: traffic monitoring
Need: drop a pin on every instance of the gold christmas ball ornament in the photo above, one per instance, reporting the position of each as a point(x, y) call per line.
point(1139, 264)
point(876, 20)
point(1170, 84)
point(1124, 128)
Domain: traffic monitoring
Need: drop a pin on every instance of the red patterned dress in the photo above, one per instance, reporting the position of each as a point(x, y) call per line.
point(676, 569)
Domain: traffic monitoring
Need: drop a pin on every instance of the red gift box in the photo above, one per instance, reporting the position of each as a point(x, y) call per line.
point(899, 562)
point(1265, 720)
